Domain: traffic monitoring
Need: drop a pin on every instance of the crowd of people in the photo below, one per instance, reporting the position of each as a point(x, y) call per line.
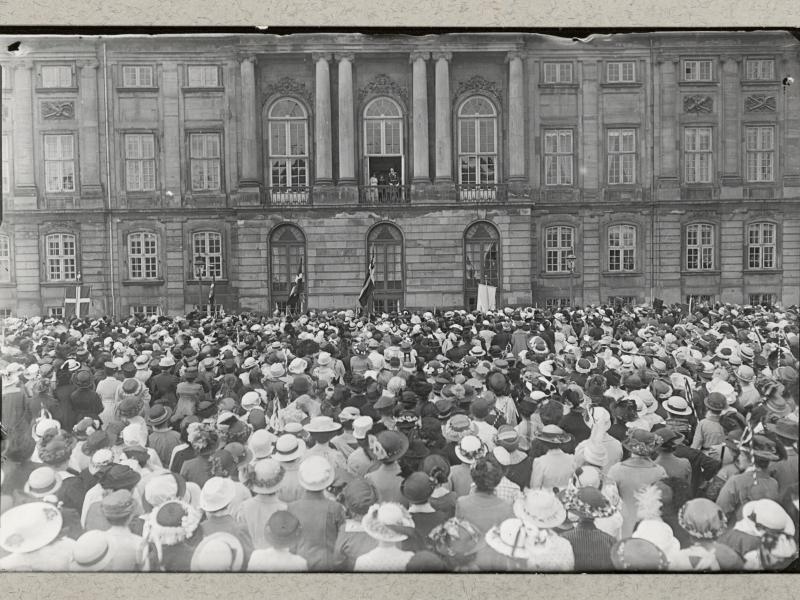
point(594, 439)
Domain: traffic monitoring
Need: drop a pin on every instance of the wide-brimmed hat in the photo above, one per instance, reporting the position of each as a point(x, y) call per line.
point(659, 533)
point(457, 427)
point(219, 552)
point(642, 442)
point(315, 473)
point(29, 527)
point(417, 487)
point(217, 493)
point(587, 503)
point(470, 448)
point(322, 424)
point(455, 538)
point(540, 508)
point(394, 443)
point(265, 476)
point(636, 554)
point(509, 538)
point(388, 522)
point(358, 495)
point(119, 477)
point(702, 518)
point(43, 482)
point(765, 448)
point(288, 448)
point(507, 437)
point(298, 366)
point(261, 443)
point(553, 434)
point(715, 401)
point(283, 529)
point(118, 504)
point(92, 552)
point(785, 428)
point(669, 437)
point(677, 405)
point(83, 379)
point(159, 414)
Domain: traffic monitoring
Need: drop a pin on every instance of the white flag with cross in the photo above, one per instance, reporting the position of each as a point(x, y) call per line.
point(77, 300)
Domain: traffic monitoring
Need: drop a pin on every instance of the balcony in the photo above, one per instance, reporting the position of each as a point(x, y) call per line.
point(482, 193)
point(383, 195)
point(288, 196)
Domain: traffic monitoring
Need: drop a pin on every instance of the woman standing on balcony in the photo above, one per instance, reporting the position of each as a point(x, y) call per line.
point(373, 188)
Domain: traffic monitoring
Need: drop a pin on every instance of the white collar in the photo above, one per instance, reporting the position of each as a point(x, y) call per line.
point(421, 508)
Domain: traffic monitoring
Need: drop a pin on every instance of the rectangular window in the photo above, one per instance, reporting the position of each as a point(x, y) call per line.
point(204, 155)
point(558, 245)
point(5, 167)
point(621, 72)
point(288, 162)
point(147, 310)
point(558, 72)
point(621, 248)
point(622, 300)
point(697, 70)
point(140, 163)
point(203, 76)
point(760, 148)
point(143, 255)
point(763, 299)
point(57, 76)
point(698, 154)
point(556, 303)
point(137, 76)
point(762, 69)
point(761, 245)
point(61, 257)
point(55, 312)
point(5, 313)
point(695, 299)
point(59, 163)
point(558, 157)
point(700, 247)
point(621, 156)
point(207, 252)
point(5, 259)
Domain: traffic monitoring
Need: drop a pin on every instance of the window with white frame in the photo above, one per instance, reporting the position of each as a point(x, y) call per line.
point(698, 154)
point(762, 69)
point(558, 72)
point(559, 242)
point(143, 255)
point(202, 76)
point(762, 299)
point(695, 299)
point(5, 167)
point(760, 149)
point(207, 252)
point(59, 162)
point(55, 312)
point(621, 72)
point(61, 257)
point(699, 247)
point(288, 144)
point(140, 162)
point(5, 313)
point(205, 159)
point(622, 248)
point(697, 70)
point(556, 303)
point(761, 246)
point(621, 156)
point(57, 76)
point(558, 157)
point(146, 310)
point(5, 259)
point(621, 300)
point(477, 142)
point(137, 76)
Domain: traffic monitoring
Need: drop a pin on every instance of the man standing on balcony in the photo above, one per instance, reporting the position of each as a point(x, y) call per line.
point(373, 188)
point(394, 186)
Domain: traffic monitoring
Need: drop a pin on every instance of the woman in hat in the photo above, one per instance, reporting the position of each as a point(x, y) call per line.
point(753, 484)
point(171, 534)
point(775, 533)
point(282, 532)
point(675, 466)
point(541, 512)
point(162, 438)
point(352, 540)
point(204, 441)
point(786, 471)
point(590, 545)
point(519, 463)
point(554, 469)
point(31, 537)
point(636, 472)
point(110, 479)
point(55, 450)
point(636, 554)
point(457, 543)
point(126, 547)
point(704, 521)
point(506, 548)
point(391, 447)
point(389, 523)
point(264, 478)
point(84, 400)
point(469, 449)
point(482, 507)
point(442, 498)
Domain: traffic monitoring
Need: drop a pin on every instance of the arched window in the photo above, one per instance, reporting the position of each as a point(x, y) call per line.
point(5, 259)
point(699, 247)
point(384, 167)
point(477, 148)
point(622, 248)
point(559, 242)
point(61, 257)
point(288, 160)
point(143, 255)
point(287, 248)
point(207, 254)
point(481, 260)
point(385, 243)
point(761, 246)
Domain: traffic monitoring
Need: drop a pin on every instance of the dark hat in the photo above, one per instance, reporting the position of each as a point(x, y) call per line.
point(128, 369)
point(425, 562)
point(130, 407)
point(417, 487)
point(95, 441)
point(480, 408)
point(587, 503)
point(119, 477)
point(765, 448)
point(785, 428)
point(641, 442)
point(83, 379)
point(159, 414)
point(283, 528)
point(358, 495)
point(394, 444)
point(716, 401)
point(118, 504)
point(300, 385)
point(417, 449)
point(387, 400)
point(636, 554)
point(206, 409)
point(669, 437)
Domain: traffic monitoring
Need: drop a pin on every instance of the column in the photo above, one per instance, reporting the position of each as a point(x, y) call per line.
point(24, 179)
point(347, 138)
point(249, 173)
point(444, 138)
point(731, 99)
point(419, 108)
point(171, 97)
point(322, 119)
point(516, 117)
point(89, 137)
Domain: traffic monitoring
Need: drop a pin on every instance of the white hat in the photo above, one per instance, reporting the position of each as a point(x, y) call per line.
point(315, 473)
point(217, 493)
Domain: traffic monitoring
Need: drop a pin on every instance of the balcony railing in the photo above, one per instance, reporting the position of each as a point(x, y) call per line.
point(288, 196)
point(377, 195)
point(483, 192)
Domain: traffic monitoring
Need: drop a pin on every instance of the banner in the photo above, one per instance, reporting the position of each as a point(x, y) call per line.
point(486, 297)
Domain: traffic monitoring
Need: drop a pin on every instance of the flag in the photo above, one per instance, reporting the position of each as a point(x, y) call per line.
point(486, 297)
point(77, 301)
point(297, 288)
point(369, 284)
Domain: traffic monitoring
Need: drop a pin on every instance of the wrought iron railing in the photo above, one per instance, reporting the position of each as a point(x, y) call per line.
point(482, 192)
point(288, 196)
point(377, 195)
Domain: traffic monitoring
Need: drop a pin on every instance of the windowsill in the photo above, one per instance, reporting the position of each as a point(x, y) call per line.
point(142, 195)
point(126, 90)
point(8, 284)
point(714, 82)
point(199, 90)
point(757, 82)
point(143, 282)
point(763, 272)
point(622, 273)
point(621, 84)
point(623, 187)
point(558, 188)
point(60, 90)
point(759, 184)
point(558, 86)
point(566, 275)
point(53, 284)
point(206, 281)
point(701, 272)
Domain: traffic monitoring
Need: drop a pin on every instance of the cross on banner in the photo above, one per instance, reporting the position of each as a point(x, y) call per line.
point(75, 303)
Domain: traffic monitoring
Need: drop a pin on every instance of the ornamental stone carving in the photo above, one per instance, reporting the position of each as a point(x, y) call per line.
point(383, 85)
point(698, 104)
point(58, 109)
point(760, 103)
point(287, 86)
point(479, 84)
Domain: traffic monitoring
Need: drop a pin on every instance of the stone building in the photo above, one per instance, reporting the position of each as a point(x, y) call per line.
point(667, 164)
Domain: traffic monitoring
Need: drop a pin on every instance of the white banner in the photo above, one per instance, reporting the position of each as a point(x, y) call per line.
point(486, 297)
